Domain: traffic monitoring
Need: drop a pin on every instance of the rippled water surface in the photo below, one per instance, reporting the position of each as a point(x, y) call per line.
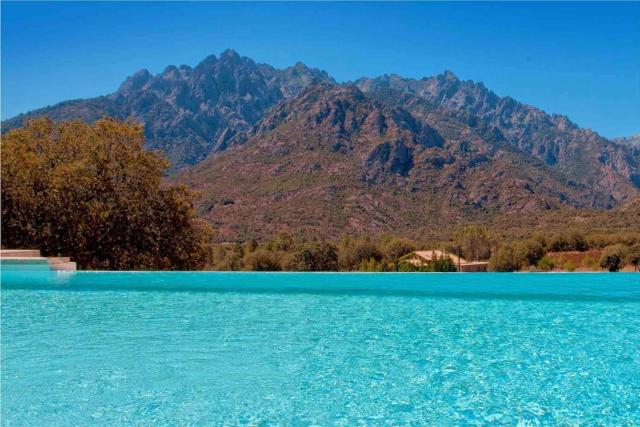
point(323, 349)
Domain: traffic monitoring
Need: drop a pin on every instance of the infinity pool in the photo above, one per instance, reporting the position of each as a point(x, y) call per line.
point(319, 349)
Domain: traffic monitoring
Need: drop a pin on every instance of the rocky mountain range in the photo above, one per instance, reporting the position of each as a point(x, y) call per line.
point(334, 159)
point(580, 154)
point(188, 112)
point(292, 149)
point(631, 140)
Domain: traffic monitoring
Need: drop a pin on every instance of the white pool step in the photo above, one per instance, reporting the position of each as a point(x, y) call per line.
point(32, 256)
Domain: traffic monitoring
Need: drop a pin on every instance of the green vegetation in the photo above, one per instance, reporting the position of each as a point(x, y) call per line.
point(546, 264)
point(568, 250)
point(572, 241)
point(633, 256)
point(506, 259)
point(531, 251)
point(569, 266)
point(473, 241)
point(613, 257)
point(356, 253)
point(288, 254)
point(314, 257)
point(589, 263)
point(442, 264)
point(92, 192)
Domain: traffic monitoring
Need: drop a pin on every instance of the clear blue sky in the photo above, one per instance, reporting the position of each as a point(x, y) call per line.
point(578, 59)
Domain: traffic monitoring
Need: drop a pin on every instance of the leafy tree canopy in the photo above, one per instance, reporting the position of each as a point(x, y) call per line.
point(506, 259)
point(613, 257)
point(92, 192)
point(474, 242)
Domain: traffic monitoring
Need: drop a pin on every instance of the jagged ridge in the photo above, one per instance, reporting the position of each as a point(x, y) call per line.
point(188, 112)
point(333, 159)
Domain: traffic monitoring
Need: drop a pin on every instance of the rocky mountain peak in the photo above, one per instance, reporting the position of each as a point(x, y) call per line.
point(449, 76)
point(136, 81)
point(230, 55)
point(207, 62)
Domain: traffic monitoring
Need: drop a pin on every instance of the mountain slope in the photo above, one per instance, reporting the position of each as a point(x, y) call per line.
point(580, 154)
point(189, 113)
point(333, 160)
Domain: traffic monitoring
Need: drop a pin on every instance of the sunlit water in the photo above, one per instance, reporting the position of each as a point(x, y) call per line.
point(320, 349)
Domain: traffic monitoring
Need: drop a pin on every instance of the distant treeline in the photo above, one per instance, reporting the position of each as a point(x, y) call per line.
point(349, 254)
point(92, 192)
point(385, 253)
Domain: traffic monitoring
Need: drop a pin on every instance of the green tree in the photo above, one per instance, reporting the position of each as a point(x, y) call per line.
point(92, 192)
point(371, 265)
point(633, 256)
point(573, 241)
point(262, 260)
point(506, 259)
point(352, 252)
point(442, 264)
point(531, 251)
point(314, 257)
point(474, 242)
point(613, 257)
point(228, 257)
point(578, 242)
point(395, 248)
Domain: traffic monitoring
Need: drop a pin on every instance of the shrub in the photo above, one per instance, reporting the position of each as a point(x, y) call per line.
point(262, 260)
point(569, 266)
point(633, 256)
point(531, 251)
point(589, 263)
point(573, 241)
point(314, 257)
point(578, 242)
point(407, 267)
point(395, 248)
point(506, 259)
point(370, 265)
point(546, 264)
point(353, 252)
point(442, 264)
point(613, 257)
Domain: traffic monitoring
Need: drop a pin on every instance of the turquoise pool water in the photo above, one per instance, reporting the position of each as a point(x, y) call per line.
point(320, 349)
